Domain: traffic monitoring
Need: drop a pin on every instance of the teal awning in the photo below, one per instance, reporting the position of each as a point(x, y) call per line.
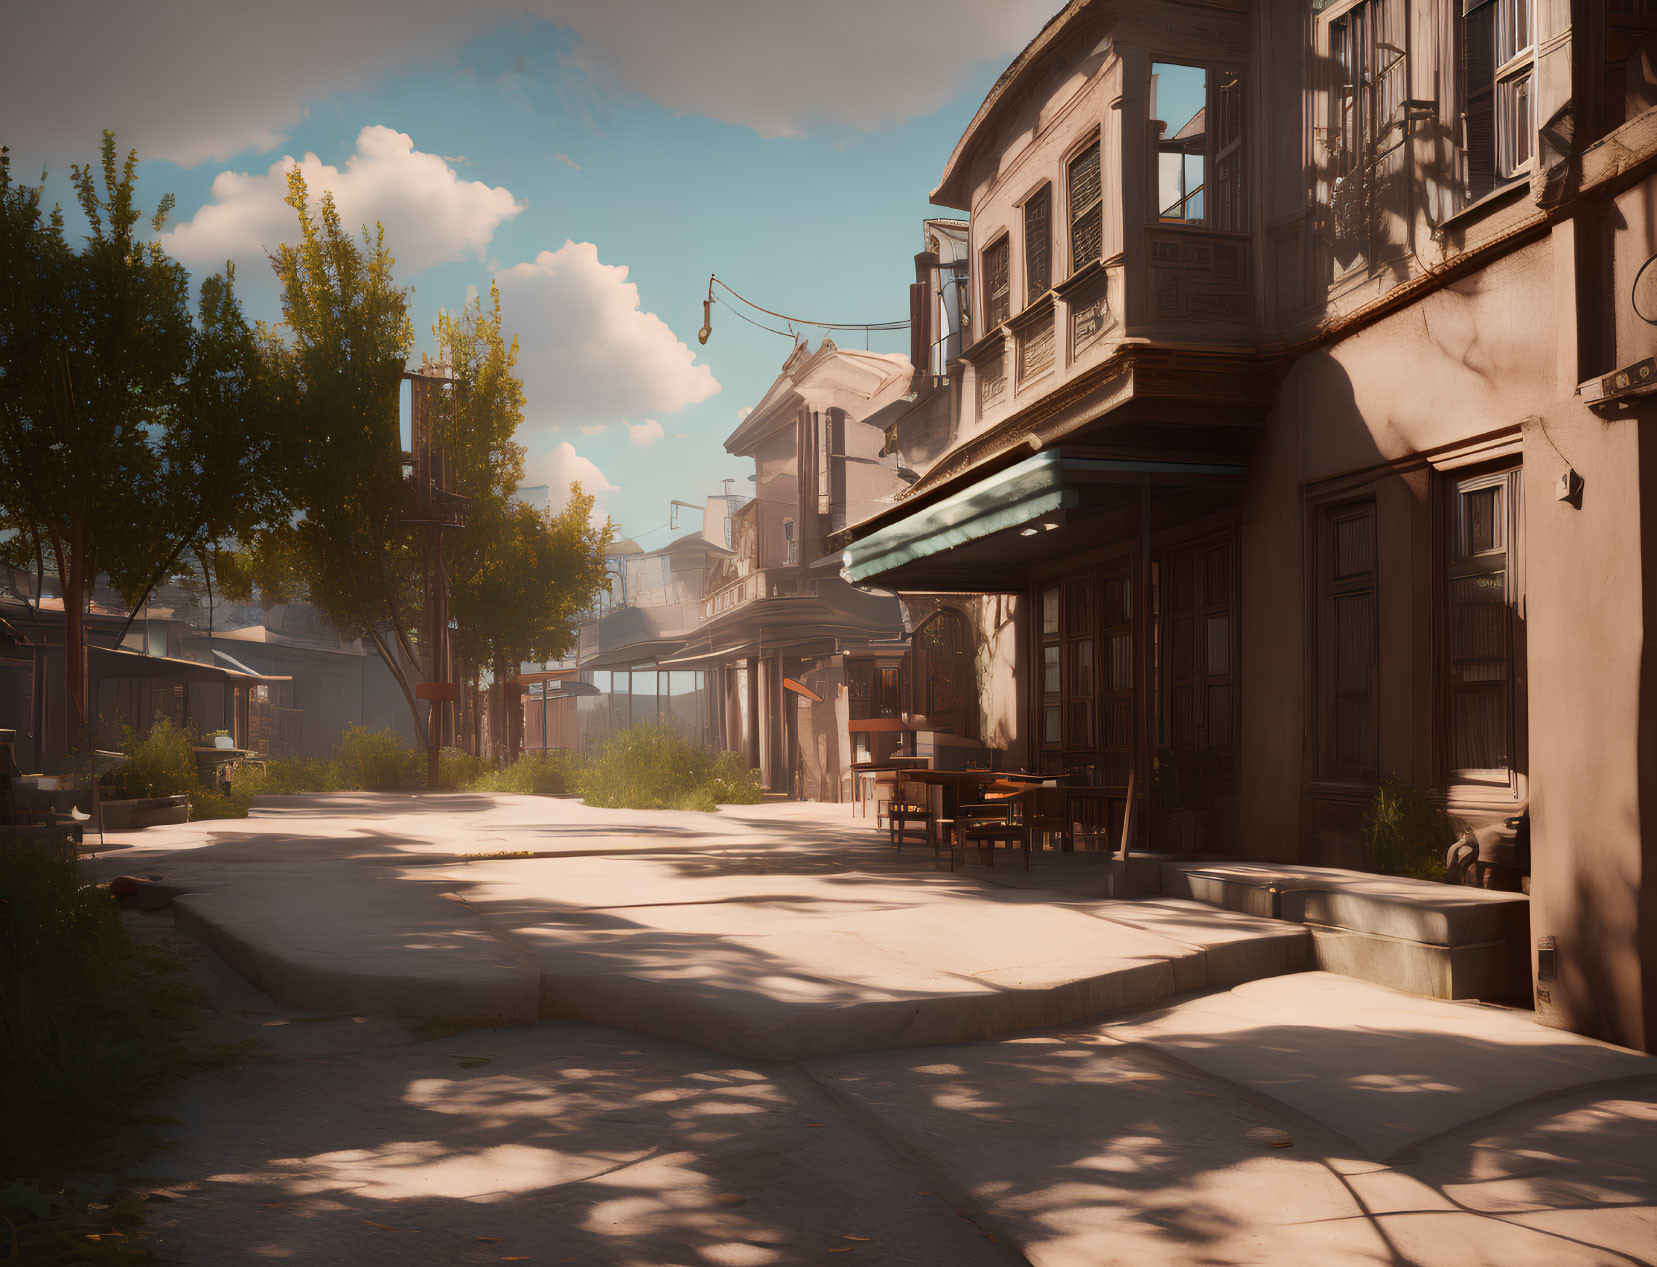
point(1021, 494)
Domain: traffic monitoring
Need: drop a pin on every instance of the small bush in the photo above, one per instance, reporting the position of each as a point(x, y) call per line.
point(656, 767)
point(530, 775)
point(205, 803)
point(460, 769)
point(1404, 833)
point(374, 759)
point(288, 776)
point(160, 763)
point(90, 1025)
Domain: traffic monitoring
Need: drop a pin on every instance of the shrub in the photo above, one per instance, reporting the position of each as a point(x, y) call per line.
point(287, 776)
point(205, 803)
point(374, 759)
point(656, 767)
point(160, 763)
point(1404, 833)
point(458, 768)
point(90, 1025)
point(529, 775)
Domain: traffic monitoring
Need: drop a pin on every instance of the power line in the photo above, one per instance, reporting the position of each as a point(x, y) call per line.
point(818, 325)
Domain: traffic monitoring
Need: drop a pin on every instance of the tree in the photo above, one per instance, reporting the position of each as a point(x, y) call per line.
point(348, 342)
point(129, 431)
point(523, 579)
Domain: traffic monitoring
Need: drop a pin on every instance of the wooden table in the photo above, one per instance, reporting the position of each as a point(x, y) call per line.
point(950, 785)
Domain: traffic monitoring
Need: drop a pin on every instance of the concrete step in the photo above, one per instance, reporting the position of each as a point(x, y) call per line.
point(1446, 941)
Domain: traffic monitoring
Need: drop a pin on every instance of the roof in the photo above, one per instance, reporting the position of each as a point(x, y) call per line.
point(865, 373)
point(950, 192)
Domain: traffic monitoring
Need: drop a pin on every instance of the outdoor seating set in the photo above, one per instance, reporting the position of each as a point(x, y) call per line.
point(966, 809)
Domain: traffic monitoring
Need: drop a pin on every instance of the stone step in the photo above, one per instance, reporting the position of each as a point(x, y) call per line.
point(1446, 941)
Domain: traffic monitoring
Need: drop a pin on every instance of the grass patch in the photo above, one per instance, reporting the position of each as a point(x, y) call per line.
point(92, 1027)
point(1404, 833)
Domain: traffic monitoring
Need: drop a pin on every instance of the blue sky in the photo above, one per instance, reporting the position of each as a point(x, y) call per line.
point(565, 145)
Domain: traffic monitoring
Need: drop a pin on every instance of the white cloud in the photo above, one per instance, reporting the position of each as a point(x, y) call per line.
point(744, 412)
point(565, 159)
point(193, 80)
point(560, 466)
point(588, 354)
point(595, 428)
point(641, 435)
point(431, 215)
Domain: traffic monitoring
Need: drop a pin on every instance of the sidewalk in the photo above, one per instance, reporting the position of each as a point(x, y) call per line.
point(1275, 1117)
point(771, 932)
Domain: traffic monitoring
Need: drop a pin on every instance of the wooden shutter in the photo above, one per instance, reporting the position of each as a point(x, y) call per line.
point(1086, 208)
point(1038, 244)
point(1348, 644)
point(1478, 90)
point(997, 284)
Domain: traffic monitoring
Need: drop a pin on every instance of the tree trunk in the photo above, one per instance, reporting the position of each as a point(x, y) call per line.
point(73, 586)
point(514, 721)
point(497, 711)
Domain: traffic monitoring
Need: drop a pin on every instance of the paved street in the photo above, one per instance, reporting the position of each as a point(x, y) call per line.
point(1284, 1117)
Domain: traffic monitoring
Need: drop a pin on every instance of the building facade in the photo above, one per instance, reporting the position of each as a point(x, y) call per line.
point(805, 670)
point(1299, 406)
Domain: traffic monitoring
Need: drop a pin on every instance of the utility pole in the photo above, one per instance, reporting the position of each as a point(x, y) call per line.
point(435, 509)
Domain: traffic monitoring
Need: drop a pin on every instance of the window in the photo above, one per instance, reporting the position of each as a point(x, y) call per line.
point(1498, 57)
point(1052, 708)
point(1179, 115)
point(1483, 693)
point(1038, 244)
point(1199, 676)
point(997, 284)
point(1087, 208)
point(886, 692)
point(790, 547)
point(1229, 209)
point(1629, 70)
point(1348, 644)
point(1363, 137)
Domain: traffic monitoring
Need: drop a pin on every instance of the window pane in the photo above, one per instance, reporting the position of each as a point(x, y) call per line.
point(1121, 662)
point(1050, 724)
point(1219, 645)
point(1481, 516)
point(1179, 114)
point(1480, 722)
point(1081, 667)
point(1050, 610)
point(1078, 607)
point(1050, 670)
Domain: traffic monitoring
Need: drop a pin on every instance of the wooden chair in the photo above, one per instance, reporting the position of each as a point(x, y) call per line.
point(885, 791)
point(910, 803)
point(988, 823)
point(1089, 817)
point(1047, 812)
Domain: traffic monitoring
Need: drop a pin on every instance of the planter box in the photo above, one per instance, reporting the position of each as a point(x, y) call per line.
point(150, 811)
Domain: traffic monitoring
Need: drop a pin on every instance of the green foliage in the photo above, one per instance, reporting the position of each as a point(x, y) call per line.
point(459, 769)
point(656, 767)
point(160, 763)
point(130, 429)
point(533, 774)
point(206, 803)
point(1404, 833)
point(288, 776)
point(372, 760)
point(90, 1025)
